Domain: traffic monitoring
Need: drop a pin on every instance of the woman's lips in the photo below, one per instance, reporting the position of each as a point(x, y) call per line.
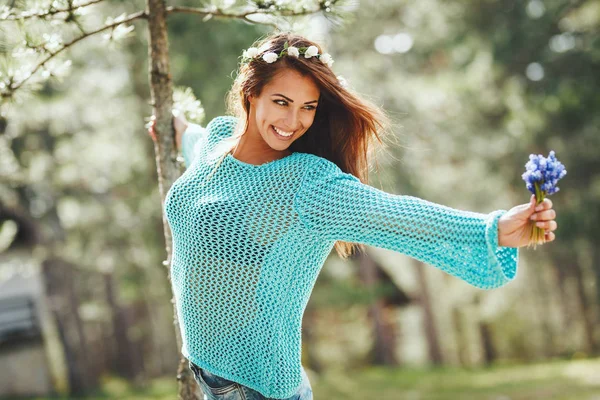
point(281, 136)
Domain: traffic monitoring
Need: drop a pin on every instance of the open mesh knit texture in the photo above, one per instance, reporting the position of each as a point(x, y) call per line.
point(249, 242)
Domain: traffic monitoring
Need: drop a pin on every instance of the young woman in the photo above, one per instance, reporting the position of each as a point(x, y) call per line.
point(270, 190)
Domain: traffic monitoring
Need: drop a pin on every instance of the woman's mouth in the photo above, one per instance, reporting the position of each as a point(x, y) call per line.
point(283, 135)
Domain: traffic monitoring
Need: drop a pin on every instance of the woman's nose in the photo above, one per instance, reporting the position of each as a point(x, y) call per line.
point(292, 120)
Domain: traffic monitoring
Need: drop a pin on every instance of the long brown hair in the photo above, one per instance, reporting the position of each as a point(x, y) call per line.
point(345, 128)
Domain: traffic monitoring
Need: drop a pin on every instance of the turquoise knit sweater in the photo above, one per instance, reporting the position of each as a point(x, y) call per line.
point(249, 243)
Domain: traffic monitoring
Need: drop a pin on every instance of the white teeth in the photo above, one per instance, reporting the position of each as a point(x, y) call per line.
point(282, 133)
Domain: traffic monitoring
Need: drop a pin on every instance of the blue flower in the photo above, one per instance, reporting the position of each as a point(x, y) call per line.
point(545, 172)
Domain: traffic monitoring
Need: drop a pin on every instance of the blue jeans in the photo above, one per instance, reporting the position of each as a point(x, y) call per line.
point(217, 388)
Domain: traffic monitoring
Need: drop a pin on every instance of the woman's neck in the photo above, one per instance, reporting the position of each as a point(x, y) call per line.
point(256, 151)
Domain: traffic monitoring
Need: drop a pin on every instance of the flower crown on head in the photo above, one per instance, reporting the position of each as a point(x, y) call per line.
point(270, 57)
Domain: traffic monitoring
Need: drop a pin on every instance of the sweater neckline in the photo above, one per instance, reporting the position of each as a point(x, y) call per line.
point(257, 166)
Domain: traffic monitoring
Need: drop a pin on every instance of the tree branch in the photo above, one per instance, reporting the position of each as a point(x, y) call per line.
point(47, 13)
point(129, 18)
point(215, 12)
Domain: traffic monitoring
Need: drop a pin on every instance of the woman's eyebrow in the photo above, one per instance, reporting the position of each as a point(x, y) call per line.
point(290, 100)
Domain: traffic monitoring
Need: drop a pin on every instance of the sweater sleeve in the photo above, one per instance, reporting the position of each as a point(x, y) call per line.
point(189, 140)
point(337, 206)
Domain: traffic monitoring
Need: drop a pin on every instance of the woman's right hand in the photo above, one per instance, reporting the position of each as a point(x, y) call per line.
point(180, 124)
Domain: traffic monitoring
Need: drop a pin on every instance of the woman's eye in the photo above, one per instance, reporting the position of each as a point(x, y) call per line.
point(279, 102)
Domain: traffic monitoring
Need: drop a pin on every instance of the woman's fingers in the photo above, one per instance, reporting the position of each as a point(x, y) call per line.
point(543, 215)
point(544, 205)
point(549, 225)
point(150, 126)
point(149, 121)
point(180, 125)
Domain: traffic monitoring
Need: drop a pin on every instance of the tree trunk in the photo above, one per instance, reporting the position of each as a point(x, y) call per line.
point(543, 304)
point(64, 305)
point(565, 268)
point(161, 90)
point(586, 307)
point(123, 365)
point(595, 344)
point(560, 274)
point(489, 352)
point(435, 350)
point(458, 321)
point(384, 348)
point(308, 338)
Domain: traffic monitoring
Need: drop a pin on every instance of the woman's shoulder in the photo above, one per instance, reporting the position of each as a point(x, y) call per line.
point(317, 167)
point(313, 161)
point(222, 125)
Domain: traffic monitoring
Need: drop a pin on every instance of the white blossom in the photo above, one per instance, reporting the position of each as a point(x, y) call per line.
point(251, 52)
point(311, 51)
point(327, 59)
point(5, 11)
point(55, 68)
point(110, 20)
point(122, 31)
point(184, 101)
point(119, 32)
point(264, 47)
point(342, 81)
point(293, 51)
point(270, 57)
point(53, 42)
point(302, 5)
point(22, 52)
point(20, 74)
point(81, 11)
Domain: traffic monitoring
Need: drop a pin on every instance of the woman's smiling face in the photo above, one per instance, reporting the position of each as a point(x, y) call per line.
point(285, 109)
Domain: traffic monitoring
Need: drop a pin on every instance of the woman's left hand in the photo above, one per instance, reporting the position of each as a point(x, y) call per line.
point(514, 227)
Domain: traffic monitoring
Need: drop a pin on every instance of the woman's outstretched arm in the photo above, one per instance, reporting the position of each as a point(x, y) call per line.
point(189, 139)
point(337, 206)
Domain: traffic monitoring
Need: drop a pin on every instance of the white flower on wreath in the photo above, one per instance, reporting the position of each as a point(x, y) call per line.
point(264, 47)
point(311, 52)
point(293, 51)
point(251, 52)
point(327, 59)
point(342, 81)
point(270, 57)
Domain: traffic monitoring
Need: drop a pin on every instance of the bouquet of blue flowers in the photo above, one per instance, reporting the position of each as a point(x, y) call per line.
point(541, 176)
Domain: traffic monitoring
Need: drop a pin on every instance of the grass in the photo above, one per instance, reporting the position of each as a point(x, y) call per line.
point(557, 380)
